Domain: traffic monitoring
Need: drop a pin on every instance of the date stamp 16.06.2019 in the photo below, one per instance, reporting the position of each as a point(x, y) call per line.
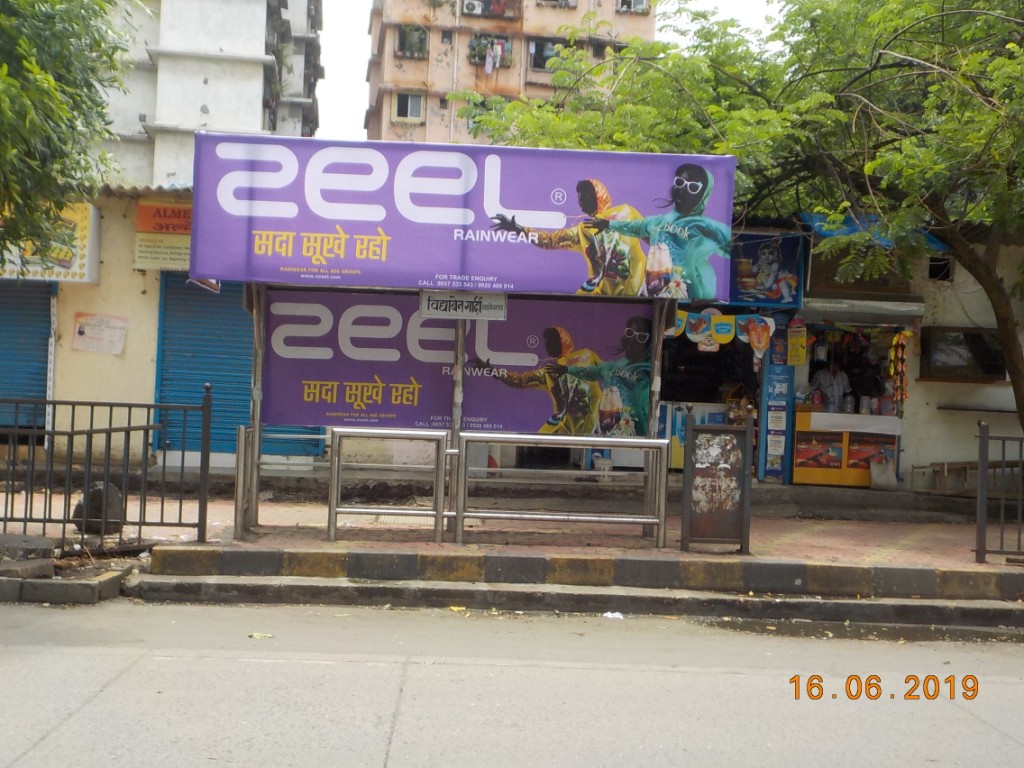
point(873, 688)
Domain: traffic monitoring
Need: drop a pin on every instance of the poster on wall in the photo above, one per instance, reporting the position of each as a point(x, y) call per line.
point(767, 270)
point(300, 211)
point(372, 360)
point(776, 407)
point(99, 333)
point(796, 342)
point(819, 450)
point(866, 449)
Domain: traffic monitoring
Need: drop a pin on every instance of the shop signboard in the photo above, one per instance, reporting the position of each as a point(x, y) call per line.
point(78, 264)
point(467, 305)
point(314, 213)
point(163, 232)
point(373, 360)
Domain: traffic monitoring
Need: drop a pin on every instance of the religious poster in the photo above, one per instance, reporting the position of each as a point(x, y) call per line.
point(767, 269)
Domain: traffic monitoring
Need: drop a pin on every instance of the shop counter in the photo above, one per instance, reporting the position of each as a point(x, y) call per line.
point(839, 448)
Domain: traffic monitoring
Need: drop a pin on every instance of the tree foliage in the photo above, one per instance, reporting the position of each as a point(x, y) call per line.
point(57, 62)
point(908, 113)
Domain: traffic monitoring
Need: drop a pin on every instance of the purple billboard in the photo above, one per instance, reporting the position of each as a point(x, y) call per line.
point(566, 366)
point(299, 211)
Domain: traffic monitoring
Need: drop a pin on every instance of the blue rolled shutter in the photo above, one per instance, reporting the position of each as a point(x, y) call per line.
point(206, 337)
point(25, 335)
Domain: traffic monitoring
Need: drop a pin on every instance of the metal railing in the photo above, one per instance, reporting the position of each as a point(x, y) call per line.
point(655, 480)
point(1000, 473)
point(252, 465)
point(440, 440)
point(93, 473)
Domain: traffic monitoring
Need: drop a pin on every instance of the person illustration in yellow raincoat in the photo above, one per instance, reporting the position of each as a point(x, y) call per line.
point(574, 401)
point(616, 263)
point(624, 408)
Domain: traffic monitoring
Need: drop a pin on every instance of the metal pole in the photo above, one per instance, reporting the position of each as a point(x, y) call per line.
point(460, 491)
point(457, 474)
point(204, 461)
point(333, 484)
point(745, 487)
point(981, 531)
point(259, 313)
point(440, 457)
point(661, 498)
point(241, 480)
point(662, 307)
point(689, 444)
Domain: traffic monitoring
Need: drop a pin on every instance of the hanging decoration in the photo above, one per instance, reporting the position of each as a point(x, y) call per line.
point(723, 328)
point(796, 351)
point(756, 331)
point(698, 327)
point(898, 369)
point(710, 329)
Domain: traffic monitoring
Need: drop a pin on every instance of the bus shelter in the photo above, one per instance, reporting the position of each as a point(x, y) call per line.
point(450, 290)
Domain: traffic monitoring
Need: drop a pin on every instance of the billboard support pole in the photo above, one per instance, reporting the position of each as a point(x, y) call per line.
point(662, 308)
point(257, 295)
point(461, 329)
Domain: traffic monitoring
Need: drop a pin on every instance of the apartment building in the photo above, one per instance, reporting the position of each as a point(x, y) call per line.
point(236, 66)
point(246, 66)
point(424, 50)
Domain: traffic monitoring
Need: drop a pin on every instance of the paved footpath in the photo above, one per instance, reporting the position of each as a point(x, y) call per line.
point(827, 569)
point(837, 570)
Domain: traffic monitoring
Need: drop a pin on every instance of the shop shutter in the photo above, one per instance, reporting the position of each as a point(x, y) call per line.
point(25, 335)
point(205, 338)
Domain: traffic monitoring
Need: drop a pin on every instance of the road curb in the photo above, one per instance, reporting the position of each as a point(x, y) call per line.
point(727, 573)
point(86, 591)
point(570, 599)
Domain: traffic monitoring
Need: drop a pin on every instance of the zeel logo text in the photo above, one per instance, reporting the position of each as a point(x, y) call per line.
point(426, 186)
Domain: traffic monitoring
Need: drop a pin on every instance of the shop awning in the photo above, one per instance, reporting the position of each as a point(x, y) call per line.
point(819, 223)
point(817, 310)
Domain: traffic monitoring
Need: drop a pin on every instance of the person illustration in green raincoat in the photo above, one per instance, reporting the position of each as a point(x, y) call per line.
point(625, 407)
point(682, 241)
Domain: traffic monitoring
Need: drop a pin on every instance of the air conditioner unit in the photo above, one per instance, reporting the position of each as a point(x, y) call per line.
point(473, 7)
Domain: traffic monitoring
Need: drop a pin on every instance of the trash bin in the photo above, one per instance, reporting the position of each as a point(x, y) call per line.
point(101, 510)
point(717, 467)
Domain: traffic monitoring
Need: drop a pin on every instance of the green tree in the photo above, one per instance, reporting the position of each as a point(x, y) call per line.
point(904, 113)
point(57, 62)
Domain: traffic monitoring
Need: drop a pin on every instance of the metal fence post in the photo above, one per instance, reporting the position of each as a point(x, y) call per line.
point(204, 460)
point(981, 533)
point(688, 450)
